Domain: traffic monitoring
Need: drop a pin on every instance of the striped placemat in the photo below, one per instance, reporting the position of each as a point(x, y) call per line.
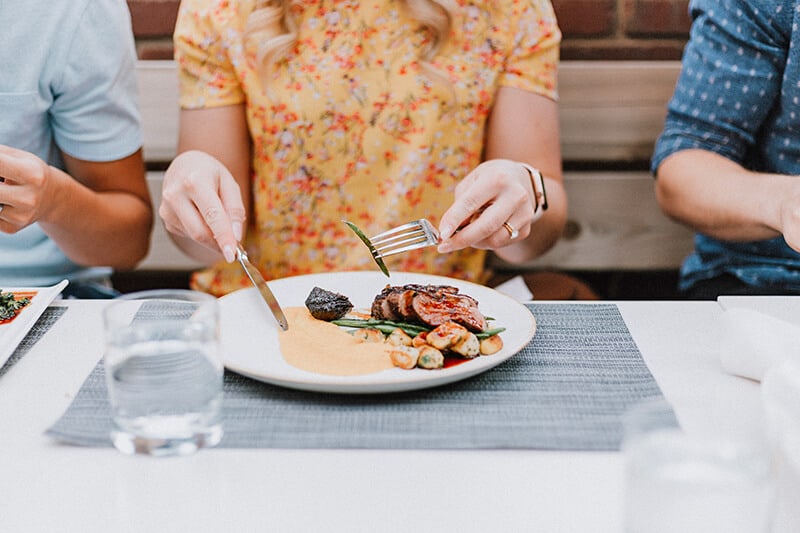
point(45, 321)
point(566, 390)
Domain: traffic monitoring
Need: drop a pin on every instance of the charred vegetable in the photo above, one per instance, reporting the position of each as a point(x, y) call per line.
point(372, 249)
point(327, 305)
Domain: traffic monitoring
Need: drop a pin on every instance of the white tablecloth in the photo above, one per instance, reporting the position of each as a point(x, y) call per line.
point(48, 487)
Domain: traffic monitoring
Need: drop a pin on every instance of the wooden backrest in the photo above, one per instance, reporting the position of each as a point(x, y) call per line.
point(611, 113)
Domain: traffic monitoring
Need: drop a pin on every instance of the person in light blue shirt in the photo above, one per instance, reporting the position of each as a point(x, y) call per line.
point(73, 198)
point(728, 159)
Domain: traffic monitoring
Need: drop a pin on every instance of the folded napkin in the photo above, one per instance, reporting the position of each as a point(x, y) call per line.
point(516, 288)
point(761, 341)
point(754, 341)
point(780, 394)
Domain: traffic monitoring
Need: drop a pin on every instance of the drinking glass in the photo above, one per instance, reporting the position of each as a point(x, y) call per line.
point(679, 482)
point(164, 371)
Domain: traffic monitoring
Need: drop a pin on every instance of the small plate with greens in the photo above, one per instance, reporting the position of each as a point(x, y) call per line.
point(20, 308)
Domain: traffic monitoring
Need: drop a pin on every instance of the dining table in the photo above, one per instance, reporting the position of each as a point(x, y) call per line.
point(46, 485)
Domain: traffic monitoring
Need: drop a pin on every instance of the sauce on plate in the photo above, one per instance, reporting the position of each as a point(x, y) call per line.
point(325, 348)
point(318, 346)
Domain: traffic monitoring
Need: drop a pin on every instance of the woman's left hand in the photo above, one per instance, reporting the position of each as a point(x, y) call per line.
point(494, 207)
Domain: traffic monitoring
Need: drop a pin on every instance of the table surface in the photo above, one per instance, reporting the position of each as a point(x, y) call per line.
point(45, 486)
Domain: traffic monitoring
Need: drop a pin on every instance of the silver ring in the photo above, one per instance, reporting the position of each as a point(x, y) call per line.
point(512, 233)
point(1, 207)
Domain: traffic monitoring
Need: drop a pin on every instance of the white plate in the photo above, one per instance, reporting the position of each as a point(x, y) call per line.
point(12, 333)
point(250, 333)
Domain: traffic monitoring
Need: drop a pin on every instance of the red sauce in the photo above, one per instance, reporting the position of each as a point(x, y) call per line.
point(17, 296)
point(451, 361)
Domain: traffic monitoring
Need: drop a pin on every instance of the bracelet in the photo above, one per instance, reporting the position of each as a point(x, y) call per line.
point(539, 193)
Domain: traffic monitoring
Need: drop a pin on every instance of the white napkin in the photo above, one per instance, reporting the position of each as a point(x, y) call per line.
point(761, 341)
point(753, 341)
point(780, 393)
point(516, 288)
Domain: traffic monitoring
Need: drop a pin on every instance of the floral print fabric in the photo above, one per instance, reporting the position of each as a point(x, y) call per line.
point(351, 126)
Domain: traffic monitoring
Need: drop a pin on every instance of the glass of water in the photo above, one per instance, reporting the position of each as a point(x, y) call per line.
point(164, 371)
point(679, 482)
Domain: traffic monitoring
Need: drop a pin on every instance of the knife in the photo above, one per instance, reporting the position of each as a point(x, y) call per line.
point(258, 281)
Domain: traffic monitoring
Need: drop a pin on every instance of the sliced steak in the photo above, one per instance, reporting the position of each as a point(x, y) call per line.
point(382, 307)
point(428, 304)
point(436, 309)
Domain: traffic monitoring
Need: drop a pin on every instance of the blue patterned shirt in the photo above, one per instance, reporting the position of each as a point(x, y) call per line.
point(738, 95)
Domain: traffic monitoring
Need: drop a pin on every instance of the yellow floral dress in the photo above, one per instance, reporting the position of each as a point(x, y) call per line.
point(352, 127)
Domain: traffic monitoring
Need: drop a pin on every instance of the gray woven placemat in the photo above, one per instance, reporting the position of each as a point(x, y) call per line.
point(566, 390)
point(48, 317)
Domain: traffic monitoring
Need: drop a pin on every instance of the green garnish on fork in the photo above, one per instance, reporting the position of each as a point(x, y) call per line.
point(372, 249)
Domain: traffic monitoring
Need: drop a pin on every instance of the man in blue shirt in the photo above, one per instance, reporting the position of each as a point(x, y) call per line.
point(73, 197)
point(727, 161)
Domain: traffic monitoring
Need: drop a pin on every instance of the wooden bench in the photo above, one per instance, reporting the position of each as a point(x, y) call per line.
point(611, 113)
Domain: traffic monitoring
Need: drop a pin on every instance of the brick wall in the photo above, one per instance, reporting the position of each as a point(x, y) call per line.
point(593, 29)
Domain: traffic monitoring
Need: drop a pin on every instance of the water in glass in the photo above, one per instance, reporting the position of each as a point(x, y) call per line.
point(164, 375)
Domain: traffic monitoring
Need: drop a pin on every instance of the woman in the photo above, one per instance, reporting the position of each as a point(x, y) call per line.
point(298, 115)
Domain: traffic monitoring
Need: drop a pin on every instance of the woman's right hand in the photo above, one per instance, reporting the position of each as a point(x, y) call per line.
point(202, 202)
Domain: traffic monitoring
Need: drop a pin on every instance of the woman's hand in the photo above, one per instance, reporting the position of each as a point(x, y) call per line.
point(201, 201)
point(522, 128)
point(494, 205)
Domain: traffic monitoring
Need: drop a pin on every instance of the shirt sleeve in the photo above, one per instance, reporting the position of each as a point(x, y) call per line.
point(206, 76)
point(95, 113)
point(730, 79)
point(533, 62)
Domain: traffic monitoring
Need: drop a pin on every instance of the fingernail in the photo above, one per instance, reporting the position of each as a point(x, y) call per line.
point(230, 257)
point(445, 232)
point(444, 248)
point(237, 230)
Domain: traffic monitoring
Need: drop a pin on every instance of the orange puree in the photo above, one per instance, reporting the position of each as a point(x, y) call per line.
point(325, 348)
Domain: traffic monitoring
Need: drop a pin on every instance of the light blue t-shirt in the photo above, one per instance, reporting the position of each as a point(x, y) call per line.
point(67, 83)
point(739, 95)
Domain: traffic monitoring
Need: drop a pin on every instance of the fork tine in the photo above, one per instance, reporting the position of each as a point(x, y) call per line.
point(390, 239)
point(404, 227)
point(409, 236)
point(410, 244)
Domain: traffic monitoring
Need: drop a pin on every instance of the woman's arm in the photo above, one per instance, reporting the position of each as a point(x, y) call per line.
point(522, 128)
point(206, 192)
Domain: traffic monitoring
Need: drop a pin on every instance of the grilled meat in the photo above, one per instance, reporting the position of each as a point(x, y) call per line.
point(327, 305)
point(428, 304)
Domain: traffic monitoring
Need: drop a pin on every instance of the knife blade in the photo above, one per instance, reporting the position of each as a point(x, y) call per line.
point(258, 281)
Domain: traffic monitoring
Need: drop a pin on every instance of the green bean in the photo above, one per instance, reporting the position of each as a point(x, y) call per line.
point(485, 334)
point(387, 326)
point(369, 245)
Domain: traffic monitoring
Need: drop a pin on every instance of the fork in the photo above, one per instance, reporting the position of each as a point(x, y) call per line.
point(417, 234)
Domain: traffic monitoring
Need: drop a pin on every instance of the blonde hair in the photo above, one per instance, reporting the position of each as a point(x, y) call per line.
point(271, 29)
